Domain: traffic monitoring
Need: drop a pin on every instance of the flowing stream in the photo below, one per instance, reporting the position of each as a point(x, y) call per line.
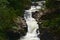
point(32, 33)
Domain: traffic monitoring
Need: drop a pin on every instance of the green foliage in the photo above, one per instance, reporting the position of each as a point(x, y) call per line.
point(2, 36)
point(19, 5)
point(52, 19)
point(52, 22)
point(52, 3)
point(10, 9)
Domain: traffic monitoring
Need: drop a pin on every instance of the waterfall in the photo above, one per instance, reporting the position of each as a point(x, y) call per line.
point(31, 23)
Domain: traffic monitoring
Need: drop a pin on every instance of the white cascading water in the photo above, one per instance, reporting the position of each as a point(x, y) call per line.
point(32, 24)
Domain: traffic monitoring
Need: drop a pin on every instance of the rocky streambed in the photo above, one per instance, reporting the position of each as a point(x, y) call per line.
point(22, 26)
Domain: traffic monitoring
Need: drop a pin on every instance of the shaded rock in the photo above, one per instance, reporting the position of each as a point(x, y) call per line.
point(12, 35)
point(37, 15)
point(19, 31)
point(20, 22)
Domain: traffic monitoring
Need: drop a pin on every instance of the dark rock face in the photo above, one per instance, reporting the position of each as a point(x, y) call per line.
point(46, 35)
point(51, 33)
point(12, 35)
point(27, 8)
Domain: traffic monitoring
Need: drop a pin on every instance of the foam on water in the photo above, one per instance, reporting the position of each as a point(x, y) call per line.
point(32, 24)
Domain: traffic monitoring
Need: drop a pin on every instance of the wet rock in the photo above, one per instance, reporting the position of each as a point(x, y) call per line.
point(20, 22)
point(37, 15)
point(34, 4)
point(27, 8)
